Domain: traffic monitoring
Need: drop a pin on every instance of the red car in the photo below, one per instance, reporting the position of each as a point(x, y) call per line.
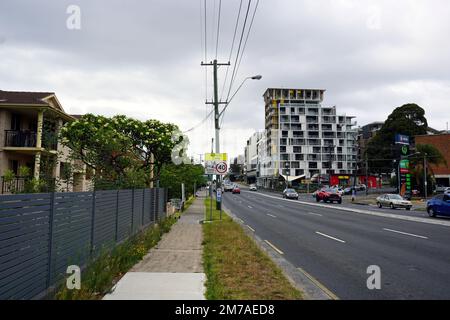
point(236, 189)
point(328, 195)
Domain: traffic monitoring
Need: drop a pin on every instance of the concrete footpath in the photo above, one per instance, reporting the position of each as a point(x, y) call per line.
point(173, 269)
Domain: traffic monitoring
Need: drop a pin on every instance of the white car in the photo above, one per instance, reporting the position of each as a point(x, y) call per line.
point(393, 201)
point(253, 187)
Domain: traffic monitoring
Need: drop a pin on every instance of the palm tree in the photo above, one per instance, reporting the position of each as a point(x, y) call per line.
point(434, 158)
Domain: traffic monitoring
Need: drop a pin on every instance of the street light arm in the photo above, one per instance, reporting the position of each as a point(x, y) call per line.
point(234, 94)
point(258, 77)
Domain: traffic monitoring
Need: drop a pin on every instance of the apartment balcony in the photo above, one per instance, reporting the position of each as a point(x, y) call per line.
point(28, 139)
point(20, 139)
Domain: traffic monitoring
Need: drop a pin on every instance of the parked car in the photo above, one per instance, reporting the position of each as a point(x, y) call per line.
point(339, 190)
point(228, 187)
point(328, 195)
point(349, 190)
point(290, 194)
point(253, 187)
point(361, 187)
point(236, 189)
point(447, 190)
point(440, 188)
point(439, 205)
point(393, 201)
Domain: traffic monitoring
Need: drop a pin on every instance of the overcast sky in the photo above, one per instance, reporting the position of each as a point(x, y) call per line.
point(142, 58)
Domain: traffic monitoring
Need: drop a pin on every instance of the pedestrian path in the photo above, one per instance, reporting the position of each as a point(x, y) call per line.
point(173, 269)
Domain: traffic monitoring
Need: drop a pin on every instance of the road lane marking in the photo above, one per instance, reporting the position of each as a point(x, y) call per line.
point(274, 248)
point(405, 233)
point(320, 285)
point(330, 237)
point(251, 228)
point(250, 207)
point(377, 213)
point(271, 215)
point(314, 214)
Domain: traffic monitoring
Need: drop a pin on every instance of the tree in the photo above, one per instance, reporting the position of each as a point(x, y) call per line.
point(434, 158)
point(172, 176)
point(409, 120)
point(121, 150)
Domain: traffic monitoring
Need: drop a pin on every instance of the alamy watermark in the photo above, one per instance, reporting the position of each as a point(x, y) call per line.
point(74, 279)
point(374, 280)
point(73, 22)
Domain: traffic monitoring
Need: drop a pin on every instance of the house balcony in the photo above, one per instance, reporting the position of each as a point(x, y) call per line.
point(20, 139)
point(26, 139)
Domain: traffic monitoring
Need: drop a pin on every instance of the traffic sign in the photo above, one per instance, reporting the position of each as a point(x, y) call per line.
point(221, 168)
point(216, 164)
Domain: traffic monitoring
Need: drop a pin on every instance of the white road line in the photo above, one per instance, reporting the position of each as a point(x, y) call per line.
point(273, 247)
point(405, 233)
point(330, 237)
point(314, 214)
point(250, 207)
point(271, 215)
point(250, 228)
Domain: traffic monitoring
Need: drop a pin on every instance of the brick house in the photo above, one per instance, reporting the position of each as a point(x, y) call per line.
point(442, 143)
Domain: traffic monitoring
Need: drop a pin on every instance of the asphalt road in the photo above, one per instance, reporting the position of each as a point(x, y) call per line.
point(336, 247)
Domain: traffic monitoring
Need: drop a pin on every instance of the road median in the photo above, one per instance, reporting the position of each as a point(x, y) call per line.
point(236, 268)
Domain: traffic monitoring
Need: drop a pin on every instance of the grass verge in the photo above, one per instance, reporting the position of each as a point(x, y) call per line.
point(106, 270)
point(236, 269)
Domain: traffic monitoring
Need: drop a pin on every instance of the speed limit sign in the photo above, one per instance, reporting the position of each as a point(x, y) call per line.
point(221, 168)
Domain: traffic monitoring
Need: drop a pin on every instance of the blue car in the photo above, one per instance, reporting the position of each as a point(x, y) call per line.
point(439, 205)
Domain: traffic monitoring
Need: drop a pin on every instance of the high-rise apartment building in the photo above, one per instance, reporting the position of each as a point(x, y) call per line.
point(304, 138)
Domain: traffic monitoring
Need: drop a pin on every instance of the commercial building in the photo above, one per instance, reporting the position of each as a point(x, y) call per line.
point(251, 157)
point(303, 138)
point(442, 143)
point(29, 127)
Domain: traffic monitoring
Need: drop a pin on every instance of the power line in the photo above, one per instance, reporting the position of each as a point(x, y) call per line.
point(246, 39)
point(232, 47)
point(200, 123)
point(239, 49)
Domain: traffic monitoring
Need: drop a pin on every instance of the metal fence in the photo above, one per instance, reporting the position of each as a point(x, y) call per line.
point(42, 234)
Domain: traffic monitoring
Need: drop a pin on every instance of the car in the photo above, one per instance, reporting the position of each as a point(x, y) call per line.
point(228, 187)
point(253, 187)
point(393, 201)
point(290, 194)
point(328, 195)
point(361, 187)
point(439, 206)
point(407, 195)
point(236, 189)
point(339, 190)
point(440, 188)
point(447, 190)
point(349, 190)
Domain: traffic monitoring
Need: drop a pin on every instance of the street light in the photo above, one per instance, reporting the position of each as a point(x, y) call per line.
point(257, 77)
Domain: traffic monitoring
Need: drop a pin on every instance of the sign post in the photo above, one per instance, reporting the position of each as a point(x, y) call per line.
point(216, 164)
point(219, 200)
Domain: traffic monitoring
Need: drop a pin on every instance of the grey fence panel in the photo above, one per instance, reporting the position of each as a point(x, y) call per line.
point(71, 231)
point(152, 205)
point(42, 234)
point(147, 207)
point(137, 209)
point(24, 238)
point(124, 214)
point(105, 219)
